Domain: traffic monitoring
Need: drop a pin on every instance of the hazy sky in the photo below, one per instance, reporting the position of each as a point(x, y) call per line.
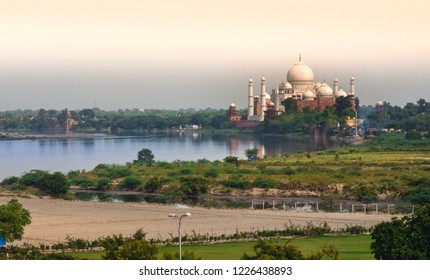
point(195, 53)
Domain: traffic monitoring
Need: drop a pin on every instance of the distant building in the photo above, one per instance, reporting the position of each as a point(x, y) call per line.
point(299, 87)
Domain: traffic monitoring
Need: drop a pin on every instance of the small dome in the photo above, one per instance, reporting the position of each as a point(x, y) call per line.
point(379, 104)
point(251, 81)
point(317, 85)
point(325, 90)
point(285, 85)
point(271, 104)
point(340, 93)
point(308, 95)
point(232, 105)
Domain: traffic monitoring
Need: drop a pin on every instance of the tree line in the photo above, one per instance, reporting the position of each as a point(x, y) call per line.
point(97, 119)
point(413, 116)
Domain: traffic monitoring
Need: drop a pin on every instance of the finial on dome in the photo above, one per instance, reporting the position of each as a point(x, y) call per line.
point(300, 57)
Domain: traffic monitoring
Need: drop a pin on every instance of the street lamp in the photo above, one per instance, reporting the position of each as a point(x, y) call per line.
point(179, 230)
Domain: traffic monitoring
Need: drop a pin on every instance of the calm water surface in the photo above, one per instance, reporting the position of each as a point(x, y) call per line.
point(20, 156)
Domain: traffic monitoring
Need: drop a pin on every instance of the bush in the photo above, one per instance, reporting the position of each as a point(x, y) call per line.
point(112, 171)
point(10, 180)
point(236, 182)
point(153, 184)
point(413, 135)
point(84, 182)
point(32, 178)
point(211, 173)
point(131, 182)
point(104, 184)
point(366, 194)
point(55, 184)
point(231, 159)
point(266, 184)
point(287, 171)
point(419, 196)
point(193, 186)
point(186, 171)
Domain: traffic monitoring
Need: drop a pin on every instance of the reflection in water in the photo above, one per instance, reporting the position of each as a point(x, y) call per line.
point(65, 154)
point(275, 145)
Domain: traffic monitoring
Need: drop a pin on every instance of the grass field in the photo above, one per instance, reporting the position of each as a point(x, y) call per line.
point(349, 247)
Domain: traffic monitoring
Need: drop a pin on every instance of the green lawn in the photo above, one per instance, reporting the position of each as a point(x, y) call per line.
point(350, 248)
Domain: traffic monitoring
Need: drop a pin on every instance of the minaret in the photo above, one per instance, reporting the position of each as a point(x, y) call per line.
point(263, 98)
point(250, 98)
point(352, 82)
point(275, 97)
point(335, 86)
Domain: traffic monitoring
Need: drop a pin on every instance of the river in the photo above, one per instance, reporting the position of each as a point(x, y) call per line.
point(71, 152)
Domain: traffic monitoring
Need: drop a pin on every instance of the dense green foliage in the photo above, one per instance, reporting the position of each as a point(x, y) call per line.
point(271, 250)
point(410, 117)
point(403, 239)
point(118, 247)
point(294, 120)
point(145, 156)
point(55, 184)
point(13, 219)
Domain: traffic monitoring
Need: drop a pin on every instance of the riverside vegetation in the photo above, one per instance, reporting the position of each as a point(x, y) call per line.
point(390, 168)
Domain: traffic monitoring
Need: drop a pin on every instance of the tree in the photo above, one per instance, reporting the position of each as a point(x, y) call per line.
point(13, 219)
point(251, 153)
point(145, 156)
point(403, 239)
point(136, 248)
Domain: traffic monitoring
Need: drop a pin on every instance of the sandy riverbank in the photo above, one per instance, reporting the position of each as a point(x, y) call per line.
point(53, 220)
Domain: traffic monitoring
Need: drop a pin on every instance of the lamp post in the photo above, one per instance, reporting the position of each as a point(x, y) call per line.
point(179, 230)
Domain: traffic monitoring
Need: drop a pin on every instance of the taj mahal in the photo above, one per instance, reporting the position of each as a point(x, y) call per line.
point(299, 86)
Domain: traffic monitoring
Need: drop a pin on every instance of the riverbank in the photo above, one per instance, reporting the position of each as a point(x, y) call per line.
point(53, 220)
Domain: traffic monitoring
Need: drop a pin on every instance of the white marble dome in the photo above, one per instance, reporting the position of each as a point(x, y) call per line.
point(308, 95)
point(325, 90)
point(340, 93)
point(285, 85)
point(300, 72)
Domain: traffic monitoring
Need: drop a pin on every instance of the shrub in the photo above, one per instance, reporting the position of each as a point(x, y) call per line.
point(211, 173)
point(413, 135)
point(186, 171)
point(231, 159)
point(10, 180)
point(419, 196)
point(193, 186)
point(104, 184)
point(266, 184)
point(84, 182)
point(366, 194)
point(32, 178)
point(153, 184)
point(131, 182)
point(287, 171)
point(236, 182)
point(55, 184)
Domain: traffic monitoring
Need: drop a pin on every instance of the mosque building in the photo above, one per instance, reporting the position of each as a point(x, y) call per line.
point(299, 86)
